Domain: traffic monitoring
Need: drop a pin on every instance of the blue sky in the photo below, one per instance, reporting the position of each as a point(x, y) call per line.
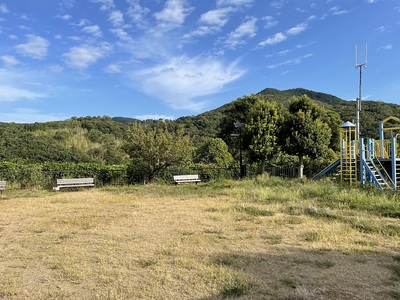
point(172, 58)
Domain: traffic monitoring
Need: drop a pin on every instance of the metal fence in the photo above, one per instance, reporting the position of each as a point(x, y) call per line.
point(23, 179)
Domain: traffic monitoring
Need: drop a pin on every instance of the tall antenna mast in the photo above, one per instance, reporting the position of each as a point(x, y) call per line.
point(359, 98)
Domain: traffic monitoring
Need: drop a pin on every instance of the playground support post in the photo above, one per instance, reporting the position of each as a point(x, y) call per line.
point(394, 174)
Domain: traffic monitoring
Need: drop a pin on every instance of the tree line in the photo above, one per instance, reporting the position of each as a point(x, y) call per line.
point(295, 132)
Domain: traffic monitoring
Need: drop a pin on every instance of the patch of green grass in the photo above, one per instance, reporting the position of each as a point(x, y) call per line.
point(374, 226)
point(273, 239)
point(396, 270)
point(236, 286)
point(314, 236)
point(321, 264)
point(396, 258)
point(253, 211)
point(394, 294)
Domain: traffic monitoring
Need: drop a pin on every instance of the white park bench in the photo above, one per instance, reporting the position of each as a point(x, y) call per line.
point(2, 186)
point(74, 183)
point(186, 179)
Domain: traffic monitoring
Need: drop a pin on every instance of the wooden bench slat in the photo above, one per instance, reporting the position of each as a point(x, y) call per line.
point(74, 182)
point(2, 185)
point(186, 178)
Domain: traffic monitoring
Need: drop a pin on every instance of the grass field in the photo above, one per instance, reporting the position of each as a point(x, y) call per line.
point(265, 238)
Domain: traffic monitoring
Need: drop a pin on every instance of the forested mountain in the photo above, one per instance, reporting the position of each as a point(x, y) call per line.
point(372, 111)
point(100, 139)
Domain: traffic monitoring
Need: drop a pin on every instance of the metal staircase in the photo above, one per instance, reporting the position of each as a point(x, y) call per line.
point(378, 174)
point(398, 174)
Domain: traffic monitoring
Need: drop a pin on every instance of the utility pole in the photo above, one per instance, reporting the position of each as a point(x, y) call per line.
point(359, 98)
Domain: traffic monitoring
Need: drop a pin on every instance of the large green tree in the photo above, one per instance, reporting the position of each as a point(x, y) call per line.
point(261, 127)
point(304, 131)
point(214, 152)
point(153, 149)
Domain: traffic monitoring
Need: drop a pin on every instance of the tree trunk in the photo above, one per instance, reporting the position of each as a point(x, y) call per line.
point(263, 166)
point(300, 167)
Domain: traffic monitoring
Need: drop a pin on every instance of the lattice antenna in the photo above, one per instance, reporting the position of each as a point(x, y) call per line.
point(359, 98)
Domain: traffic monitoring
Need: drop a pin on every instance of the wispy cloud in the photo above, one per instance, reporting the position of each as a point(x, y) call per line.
point(277, 38)
point(11, 94)
point(3, 9)
point(299, 28)
point(154, 117)
point(280, 36)
point(278, 4)
point(270, 22)
point(337, 10)
point(173, 15)
point(28, 115)
point(93, 30)
point(116, 18)
point(234, 3)
point(386, 47)
point(216, 17)
point(64, 17)
point(36, 47)
point(182, 81)
point(9, 61)
point(83, 56)
point(105, 4)
point(137, 13)
point(236, 38)
point(294, 61)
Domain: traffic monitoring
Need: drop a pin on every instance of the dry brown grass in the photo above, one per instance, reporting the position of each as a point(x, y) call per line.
point(150, 243)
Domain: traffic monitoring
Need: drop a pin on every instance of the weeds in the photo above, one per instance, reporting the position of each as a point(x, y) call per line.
point(226, 239)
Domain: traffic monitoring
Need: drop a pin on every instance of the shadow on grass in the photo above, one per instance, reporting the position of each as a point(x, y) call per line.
point(308, 275)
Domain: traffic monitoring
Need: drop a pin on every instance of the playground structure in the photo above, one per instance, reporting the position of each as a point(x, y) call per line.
point(367, 161)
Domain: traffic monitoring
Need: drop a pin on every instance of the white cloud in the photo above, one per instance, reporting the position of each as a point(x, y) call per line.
point(217, 17)
point(85, 55)
point(154, 117)
point(113, 69)
point(234, 2)
point(10, 93)
point(9, 61)
point(105, 4)
point(3, 9)
point(278, 4)
point(336, 11)
point(64, 17)
point(294, 61)
point(173, 15)
point(269, 22)
point(28, 115)
point(182, 80)
point(137, 13)
point(122, 35)
point(371, 1)
point(297, 29)
point(83, 22)
point(116, 18)
point(246, 29)
point(36, 47)
point(386, 47)
point(277, 38)
point(93, 30)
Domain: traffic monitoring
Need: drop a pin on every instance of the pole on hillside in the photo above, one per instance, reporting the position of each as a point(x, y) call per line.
point(359, 98)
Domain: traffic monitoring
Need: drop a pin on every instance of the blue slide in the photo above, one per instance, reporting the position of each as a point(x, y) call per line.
point(327, 170)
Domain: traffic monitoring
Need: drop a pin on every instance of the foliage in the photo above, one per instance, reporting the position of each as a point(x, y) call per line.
point(214, 152)
point(261, 127)
point(304, 132)
point(152, 150)
point(44, 175)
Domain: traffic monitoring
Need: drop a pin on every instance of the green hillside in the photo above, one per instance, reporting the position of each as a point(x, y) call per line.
point(100, 139)
point(372, 111)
